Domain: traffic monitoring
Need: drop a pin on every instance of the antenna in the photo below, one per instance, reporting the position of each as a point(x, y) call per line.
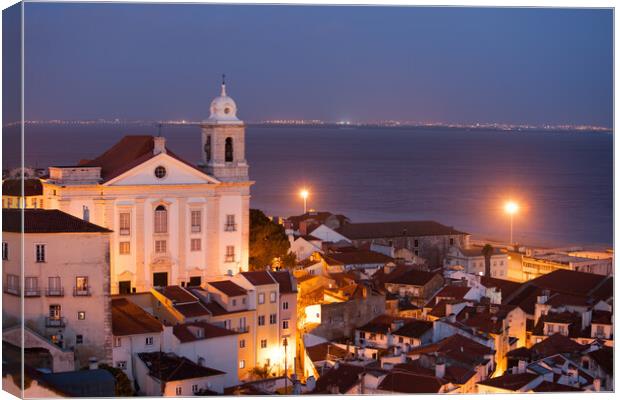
point(223, 79)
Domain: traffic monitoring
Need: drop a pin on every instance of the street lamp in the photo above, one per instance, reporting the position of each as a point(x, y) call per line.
point(304, 195)
point(511, 209)
point(285, 343)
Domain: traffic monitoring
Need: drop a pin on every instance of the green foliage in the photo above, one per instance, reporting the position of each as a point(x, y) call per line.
point(487, 251)
point(123, 384)
point(268, 242)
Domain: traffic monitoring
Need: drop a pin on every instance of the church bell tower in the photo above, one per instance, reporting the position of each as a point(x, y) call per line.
point(223, 141)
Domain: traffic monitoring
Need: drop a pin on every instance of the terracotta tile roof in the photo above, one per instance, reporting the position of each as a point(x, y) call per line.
point(563, 281)
point(413, 277)
point(129, 319)
point(453, 373)
point(13, 187)
point(414, 329)
point(45, 221)
point(326, 351)
point(342, 376)
point(215, 309)
point(286, 281)
point(555, 344)
point(318, 216)
point(506, 287)
point(126, 154)
point(453, 292)
point(229, 288)
point(191, 310)
point(177, 294)
point(601, 317)
point(457, 347)
point(371, 230)
point(184, 332)
point(357, 257)
point(549, 387)
point(382, 324)
point(561, 299)
point(605, 291)
point(400, 381)
point(168, 367)
point(512, 382)
point(259, 278)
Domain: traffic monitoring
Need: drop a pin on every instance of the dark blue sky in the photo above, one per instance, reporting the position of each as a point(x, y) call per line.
point(363, 63)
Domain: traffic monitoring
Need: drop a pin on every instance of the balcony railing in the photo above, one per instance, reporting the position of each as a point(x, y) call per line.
point(241, 329)
point(230, 227)
point(82, 291)
point(32, 292)
point(55, 292)
point(12, 290)
point(55, 322)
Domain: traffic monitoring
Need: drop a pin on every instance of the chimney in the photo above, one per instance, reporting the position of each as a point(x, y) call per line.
point(440, 369)
point(597, 384)
point(92, 363)
point(159, 145)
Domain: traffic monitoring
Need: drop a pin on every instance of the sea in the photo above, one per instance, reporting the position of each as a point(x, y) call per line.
point(562, 181)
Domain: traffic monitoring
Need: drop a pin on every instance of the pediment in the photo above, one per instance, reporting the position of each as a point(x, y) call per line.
point(176, 172)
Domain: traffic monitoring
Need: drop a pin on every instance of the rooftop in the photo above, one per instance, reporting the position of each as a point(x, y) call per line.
point(512, 382)
point(169, 367)
point(177, 294)
point(45, 221)
point(259, 278)
point(13, 187)
point(286, 281)
point(357, 257)
point(129, 319)
point(229, 288)
point(402, 381)
point(413, 277)
point(370, 230)
point(199, 330)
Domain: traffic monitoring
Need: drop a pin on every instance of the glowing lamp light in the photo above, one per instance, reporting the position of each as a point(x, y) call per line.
point(511, 207)
point(304, 195)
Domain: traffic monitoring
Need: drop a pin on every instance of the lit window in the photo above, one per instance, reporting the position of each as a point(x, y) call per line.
point(241, 364)
point(123, 247)
point(195, 244)
point(124, 223)
point(161, 219)
point(196, 220)
point(81, 315)
point(160, 172)
point(40, 253)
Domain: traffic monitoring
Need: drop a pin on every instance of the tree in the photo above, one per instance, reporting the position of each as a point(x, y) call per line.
point(261, 372)
point(123, 384)
point(487, 251)
point(268, 243)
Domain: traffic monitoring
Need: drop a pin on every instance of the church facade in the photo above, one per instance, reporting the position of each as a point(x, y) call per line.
point(173, 222)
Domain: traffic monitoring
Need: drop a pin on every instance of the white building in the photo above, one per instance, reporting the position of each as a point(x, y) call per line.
point(174, 222)
point(473, 261)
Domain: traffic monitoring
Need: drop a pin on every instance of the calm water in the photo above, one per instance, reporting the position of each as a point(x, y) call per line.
point(563, 181)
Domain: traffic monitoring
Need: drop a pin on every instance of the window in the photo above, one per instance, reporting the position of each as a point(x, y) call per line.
point(362, 335)
point(600, 331)
point(160, 246)
point(124, 223)
point(234, 302)
point(261, 320)
point(31, 286)
point(261, 298)
point(54, 288)
point(285, 305)
point(272, 297)
point(123, 247)
point(242, 364)
point(263, 344)
point(194, 388)
point(118, 341)
point(121, 364)
point(208, 148)
point(81, 286)
point(416, 253)
point(195, 244)
point(160, 172)
point(161, 219)
point(85, 214)
point(230, 254)
point(5, 251)
point(12, 284)
point(79, 339)
point(40, 252)
point(451, 241)
point(416, 243)
point(228, 150)
point(179, 390)
point(196, 220)
point(54, 312)
point(41, 203)
point(195, 281)
point(81, 315)
point(230, 226)
point(149, 341)
point(242, 343)
point(273, 319)
point(285, 324)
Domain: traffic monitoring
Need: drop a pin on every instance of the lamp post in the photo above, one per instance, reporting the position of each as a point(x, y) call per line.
point(511, 209)
point(285, 343)
point(304, 195)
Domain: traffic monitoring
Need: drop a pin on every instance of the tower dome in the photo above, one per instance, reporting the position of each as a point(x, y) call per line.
point(223, 108)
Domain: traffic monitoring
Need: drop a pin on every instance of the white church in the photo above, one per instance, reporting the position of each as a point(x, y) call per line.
point(174, 223)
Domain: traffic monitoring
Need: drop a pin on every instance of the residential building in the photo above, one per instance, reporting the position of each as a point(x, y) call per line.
point(66, 293)
point(14, 197)
point(473, 261)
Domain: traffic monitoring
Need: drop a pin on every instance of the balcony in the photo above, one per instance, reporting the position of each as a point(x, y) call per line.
point(32, 292)
point(241, 329)
point(55, 292)
point(230, 227)
point(12, 290)
point(55, 322)
point(82, 291)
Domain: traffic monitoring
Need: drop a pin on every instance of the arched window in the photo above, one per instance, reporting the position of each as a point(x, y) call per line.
point(208, 148)
point(161, 220)
point(228, 151)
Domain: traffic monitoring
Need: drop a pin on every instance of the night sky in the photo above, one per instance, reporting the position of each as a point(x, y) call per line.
point(332, 63)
